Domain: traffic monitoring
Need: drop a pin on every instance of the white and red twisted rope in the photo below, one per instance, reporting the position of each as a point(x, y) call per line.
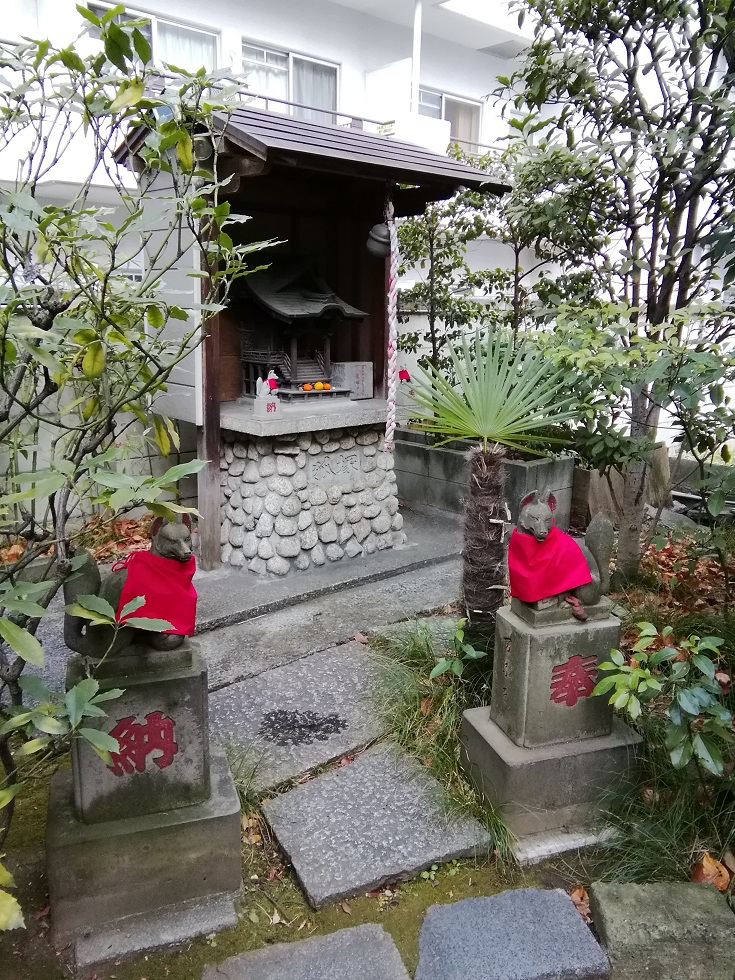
point(390, 421)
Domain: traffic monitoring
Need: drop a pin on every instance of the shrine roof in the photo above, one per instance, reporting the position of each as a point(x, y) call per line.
point(291, 290)
point(278, 138)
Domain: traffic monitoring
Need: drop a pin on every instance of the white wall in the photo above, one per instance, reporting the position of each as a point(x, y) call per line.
point(357, 42)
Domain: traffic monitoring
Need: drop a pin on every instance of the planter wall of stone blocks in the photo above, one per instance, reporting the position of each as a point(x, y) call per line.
point(300, 501)
point(438, 477)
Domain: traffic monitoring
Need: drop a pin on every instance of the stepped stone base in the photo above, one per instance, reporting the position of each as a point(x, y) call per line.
point(547, 787)
point(101, 874)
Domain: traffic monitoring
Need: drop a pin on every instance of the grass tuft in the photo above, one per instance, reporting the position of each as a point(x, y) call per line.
point(668, 820)
point(424, 716)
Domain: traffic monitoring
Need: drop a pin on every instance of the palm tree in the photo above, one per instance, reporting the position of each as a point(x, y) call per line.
point(506, 394)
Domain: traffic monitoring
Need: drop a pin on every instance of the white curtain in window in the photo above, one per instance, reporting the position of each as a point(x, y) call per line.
point(314, 85)
point(185, 47)
point(464, 119)
point(266, 72)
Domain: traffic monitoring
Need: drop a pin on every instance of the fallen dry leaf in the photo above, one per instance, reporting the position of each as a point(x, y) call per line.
point(345, 906)
point(581, 902)
point(710, 871)
point(427, 704)
point(728, 859)
point(724, 680)
point(360, 638)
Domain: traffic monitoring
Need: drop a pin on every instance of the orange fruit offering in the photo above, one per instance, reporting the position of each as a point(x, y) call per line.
point(327, 386)
point(319, 385)
point(306, 387)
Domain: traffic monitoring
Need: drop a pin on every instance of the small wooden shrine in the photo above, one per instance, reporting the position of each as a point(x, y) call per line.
point(288, 330)
point(309, 477)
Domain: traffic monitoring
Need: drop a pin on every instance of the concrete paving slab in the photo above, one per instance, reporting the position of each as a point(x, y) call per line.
point(381, 818)
point(294, 718)
point(367, 952)
point(527, 934)
point(228, 595)
point(676, 930)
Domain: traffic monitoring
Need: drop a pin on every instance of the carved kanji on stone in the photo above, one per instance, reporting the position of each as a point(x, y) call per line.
point(574, 679)
point(137, 740)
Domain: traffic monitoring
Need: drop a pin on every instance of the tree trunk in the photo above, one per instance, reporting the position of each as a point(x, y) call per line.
point(644, 422)
point(485, 517)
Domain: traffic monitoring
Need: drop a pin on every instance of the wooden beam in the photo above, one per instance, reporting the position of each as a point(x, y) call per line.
point(208, 447)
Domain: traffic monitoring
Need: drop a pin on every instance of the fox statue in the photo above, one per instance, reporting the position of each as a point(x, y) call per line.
point(544, 561)
point(162, 576)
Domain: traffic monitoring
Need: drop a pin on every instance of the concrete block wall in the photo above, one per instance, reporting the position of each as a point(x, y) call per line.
point(438, 477)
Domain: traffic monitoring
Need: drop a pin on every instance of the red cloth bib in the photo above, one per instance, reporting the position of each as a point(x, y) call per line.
point(167, 587)
point(540, 569)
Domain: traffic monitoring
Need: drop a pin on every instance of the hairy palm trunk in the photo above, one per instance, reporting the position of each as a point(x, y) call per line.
point(485, 516)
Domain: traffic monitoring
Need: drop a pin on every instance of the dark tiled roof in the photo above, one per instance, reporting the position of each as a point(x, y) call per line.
point(291, 289)
point(272, 136)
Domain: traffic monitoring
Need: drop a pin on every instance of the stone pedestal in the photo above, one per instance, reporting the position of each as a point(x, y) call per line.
point(155, 837)
point(163, 713)
point(544, 750)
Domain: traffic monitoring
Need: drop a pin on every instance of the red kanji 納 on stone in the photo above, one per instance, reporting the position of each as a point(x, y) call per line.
point(138, 740)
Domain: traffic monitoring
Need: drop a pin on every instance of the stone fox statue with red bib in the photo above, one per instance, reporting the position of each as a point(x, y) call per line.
point(546, 562)
point(162, 576)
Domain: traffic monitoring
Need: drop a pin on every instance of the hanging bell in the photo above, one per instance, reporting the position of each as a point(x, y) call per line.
point(378, 243)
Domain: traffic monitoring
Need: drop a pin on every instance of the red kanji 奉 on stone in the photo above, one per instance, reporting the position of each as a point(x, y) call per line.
point(574, 679)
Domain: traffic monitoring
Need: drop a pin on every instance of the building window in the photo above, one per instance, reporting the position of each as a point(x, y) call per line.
point(172, 43)
point(462, 114)
point(292, 78)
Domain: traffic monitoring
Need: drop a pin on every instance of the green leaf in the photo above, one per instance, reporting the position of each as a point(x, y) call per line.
point(704, 664)
point(93, 362)
point(111, 695)
point(161, 435)
point(7, 794)
point(30, 748)
point(681, 754)
point(156, 317)
point(52, 726)
point(716, 502)
point(687, 702)
point(130, 607)
point(708, 753)
point(151, 625)
point(141, 45)
point(22, 643)
point(78, 697)
point(11, 916)
point(185, 151)
point(96, 604)
point(604, 685)
point(129, 94)
point(16, 721)
point(100, 740)
point(441, 668)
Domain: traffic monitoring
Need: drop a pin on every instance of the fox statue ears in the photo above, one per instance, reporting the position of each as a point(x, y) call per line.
point(544, 496)
point(158, 523)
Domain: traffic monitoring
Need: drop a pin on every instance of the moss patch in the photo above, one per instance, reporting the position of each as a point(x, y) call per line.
point(276, 912)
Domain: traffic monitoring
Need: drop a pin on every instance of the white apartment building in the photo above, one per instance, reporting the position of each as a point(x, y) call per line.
point(423, 69)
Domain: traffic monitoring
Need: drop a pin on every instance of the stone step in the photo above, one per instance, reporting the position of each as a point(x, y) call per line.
point(380, 818)
point(234, 653)
point(527, 934)
point(294, 718)
point(367, 952)
point(674, 929)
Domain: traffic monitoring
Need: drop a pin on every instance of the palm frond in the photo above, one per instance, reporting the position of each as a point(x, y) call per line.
point(506, 393)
